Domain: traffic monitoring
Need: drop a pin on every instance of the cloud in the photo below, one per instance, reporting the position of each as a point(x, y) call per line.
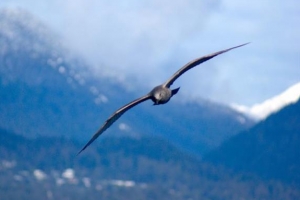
point(127, 41)
point(134, 39)
point(141, 43)
point(270, 63)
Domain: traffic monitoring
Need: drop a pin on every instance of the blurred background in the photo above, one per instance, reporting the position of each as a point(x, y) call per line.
point(232, 132)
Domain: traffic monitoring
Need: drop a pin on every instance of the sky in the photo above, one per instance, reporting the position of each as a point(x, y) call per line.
point(142, 43)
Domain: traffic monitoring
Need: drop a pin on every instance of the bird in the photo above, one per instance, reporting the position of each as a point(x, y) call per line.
point(160, 94)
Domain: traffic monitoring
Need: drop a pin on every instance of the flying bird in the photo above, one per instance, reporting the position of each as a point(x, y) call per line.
point(161, 94)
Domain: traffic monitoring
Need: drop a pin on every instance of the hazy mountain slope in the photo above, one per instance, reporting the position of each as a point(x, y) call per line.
point(145, 168)
point(45, 90)
point(269, 149)
point(200, 126)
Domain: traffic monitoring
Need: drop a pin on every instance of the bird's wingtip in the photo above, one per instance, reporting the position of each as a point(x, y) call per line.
point(245, 43)
point(79, 152)
point(82, 149)
point(231, 48)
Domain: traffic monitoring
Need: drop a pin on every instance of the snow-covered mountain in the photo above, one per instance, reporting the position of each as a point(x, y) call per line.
point(45, 91)
point(262, 110)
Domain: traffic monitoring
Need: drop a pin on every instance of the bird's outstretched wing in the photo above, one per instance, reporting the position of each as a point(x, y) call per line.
point(116, 115)
point(194, 63)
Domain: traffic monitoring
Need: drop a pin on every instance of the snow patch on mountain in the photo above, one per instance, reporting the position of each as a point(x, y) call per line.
point(262, 110)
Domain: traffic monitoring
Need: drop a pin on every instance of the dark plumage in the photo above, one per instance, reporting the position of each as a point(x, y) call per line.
point(159, 95)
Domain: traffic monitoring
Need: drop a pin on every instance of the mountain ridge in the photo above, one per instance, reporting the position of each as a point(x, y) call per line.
point(269, 149)
point(53, 93)
point(143, 168)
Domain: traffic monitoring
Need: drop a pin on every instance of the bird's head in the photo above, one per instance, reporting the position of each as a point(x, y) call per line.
point(157, 98)
point(160, 95)
point(155, 102)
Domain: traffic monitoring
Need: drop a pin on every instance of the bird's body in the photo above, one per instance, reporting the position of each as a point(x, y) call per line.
point(160, 94)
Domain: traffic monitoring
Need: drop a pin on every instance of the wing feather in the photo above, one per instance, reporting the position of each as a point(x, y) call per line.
point(194, 63)
point(116, 115)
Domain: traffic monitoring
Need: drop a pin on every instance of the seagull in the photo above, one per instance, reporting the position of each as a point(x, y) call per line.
point(160, 94)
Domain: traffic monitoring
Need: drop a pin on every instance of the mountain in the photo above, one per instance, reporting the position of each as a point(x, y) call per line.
point(46, 90)
point(44, 87)
point(120, 168)
point(269, 106)
point(270, 149)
